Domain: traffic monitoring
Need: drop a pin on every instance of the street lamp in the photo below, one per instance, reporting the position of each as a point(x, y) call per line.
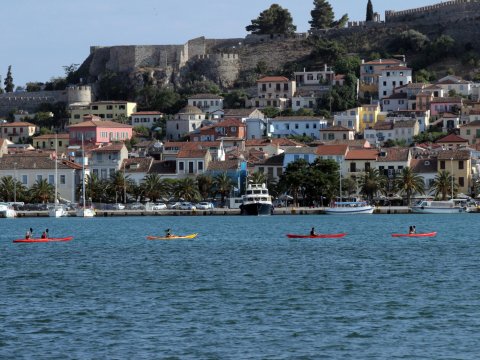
point(124, 184)
point(14, 182)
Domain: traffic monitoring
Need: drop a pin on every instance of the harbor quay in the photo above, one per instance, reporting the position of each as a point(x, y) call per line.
point(214, 212)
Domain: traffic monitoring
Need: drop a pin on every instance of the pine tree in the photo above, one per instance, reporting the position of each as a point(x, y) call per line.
point(9, 81)
point(322, 15)
point(369, 11)
point(274, 20)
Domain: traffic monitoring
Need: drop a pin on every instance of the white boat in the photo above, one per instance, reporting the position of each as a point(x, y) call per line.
point(84, 211)
point(57, 210)
point(256, 201)
point(7, 211)
point(349, 207)
point(440, 207)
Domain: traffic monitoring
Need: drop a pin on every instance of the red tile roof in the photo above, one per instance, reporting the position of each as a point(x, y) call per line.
point(17, 124)
point(100, 124)
point(332, 149)
point(192, 154)
point(147, 113)
point(364, 154)
point(273, 79)
point(451, 138)
point(108, 148)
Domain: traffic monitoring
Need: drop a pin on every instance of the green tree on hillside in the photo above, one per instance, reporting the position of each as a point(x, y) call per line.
point(9, 80)
point(323, 16)
point(369, 11)
point(274, 20)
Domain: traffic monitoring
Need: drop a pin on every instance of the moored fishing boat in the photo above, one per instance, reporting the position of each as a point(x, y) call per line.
point(429, 234)
point(43, 240)
point(317, 236)
point(7, 211)
point(172, 237)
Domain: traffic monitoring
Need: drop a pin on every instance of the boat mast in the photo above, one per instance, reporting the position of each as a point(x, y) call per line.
point(83, 174)
point(56, 171)
point(340, 177)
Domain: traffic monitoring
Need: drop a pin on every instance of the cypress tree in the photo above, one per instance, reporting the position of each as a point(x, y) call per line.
point(369, 11)
point(9, 81)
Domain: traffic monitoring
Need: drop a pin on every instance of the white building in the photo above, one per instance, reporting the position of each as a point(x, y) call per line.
point(146, 118)
point(208, 103)
point(106, 160)
point(185, 121)
point(349, 119)
point(283, 126)
point(291, 154)
point(455, 83)
point(391, 77)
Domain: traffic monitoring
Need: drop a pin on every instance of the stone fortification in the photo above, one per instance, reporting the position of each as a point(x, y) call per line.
point(29, 101)
point(445, 12)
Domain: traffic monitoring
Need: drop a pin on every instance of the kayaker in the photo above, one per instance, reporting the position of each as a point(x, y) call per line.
point(312, 232)
point(412, 229)
point(168, 233)
point(28, 233)
point(45, 234)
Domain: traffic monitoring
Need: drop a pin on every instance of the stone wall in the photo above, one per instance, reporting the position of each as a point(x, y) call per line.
point(448, 11)
point(29, 101)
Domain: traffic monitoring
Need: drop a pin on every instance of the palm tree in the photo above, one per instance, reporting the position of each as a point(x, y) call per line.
point(409, 183)
point(154, 187)
point(443, 184)
point(42, 191)
point(371, 183)
point(11, 188)
point(120, 184)
point(223, 185)
point(258, 178)
point(187, 189)
point(95, 188)
point(205, 185)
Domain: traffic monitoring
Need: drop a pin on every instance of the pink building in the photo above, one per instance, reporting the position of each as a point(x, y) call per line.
point(97, 131)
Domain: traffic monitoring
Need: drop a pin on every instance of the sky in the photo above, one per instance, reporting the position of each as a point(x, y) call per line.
point(38, 38)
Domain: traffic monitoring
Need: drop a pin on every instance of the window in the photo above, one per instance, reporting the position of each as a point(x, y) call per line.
point(190, 167)
point(121, 107)
point(24, 179)
point(181, 166)
point(307, 126)
point(109, 107)
point(442, 164)
point(62, 179)
point(461, 181)
point(94, 107)
point(296, 157)
point(277, 87)
point(39, 178)
point(51, 179)
point(460, 165)
point(60, 143)
point(285, 87)
point(200, 166)
point(296, 126)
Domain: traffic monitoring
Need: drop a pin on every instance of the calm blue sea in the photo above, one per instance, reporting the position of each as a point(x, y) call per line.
point(242, 290)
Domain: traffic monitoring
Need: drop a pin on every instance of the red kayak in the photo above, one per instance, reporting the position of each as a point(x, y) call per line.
point(68, 238)
point(318, 236)
point(430, 234)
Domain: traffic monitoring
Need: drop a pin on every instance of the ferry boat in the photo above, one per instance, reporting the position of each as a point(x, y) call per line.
point(256, 201)
point(454, 206)
point(349, 207)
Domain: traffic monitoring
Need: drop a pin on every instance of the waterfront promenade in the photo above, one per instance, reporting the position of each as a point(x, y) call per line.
point(214, 212)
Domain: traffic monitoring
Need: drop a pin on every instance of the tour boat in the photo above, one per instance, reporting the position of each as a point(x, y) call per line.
point(349, 207)
point(40, 240)
point(172, 237)
point(317, 236)
point(440, 207)
point(430, 234)
point(256, 201)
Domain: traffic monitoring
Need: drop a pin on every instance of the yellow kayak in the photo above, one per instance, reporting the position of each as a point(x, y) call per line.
point(172, 237)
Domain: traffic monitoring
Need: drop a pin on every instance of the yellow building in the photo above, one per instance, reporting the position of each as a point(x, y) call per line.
point(368, 116)
point(108, 110)
point(458, 163)
point(47, 141)
point(17, 131)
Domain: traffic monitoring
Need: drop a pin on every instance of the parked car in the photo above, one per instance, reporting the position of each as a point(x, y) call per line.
point(159, 206)
point(174, 205)
point(187, 206)
point(118, 206)
point(204, 205)
point(136, 206)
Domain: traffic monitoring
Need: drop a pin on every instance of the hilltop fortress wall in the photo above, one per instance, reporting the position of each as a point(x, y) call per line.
point(445, 12)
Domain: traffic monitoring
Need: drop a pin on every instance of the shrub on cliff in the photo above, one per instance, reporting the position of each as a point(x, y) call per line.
point(274, 20)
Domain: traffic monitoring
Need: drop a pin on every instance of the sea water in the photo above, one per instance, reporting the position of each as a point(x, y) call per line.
point(241, 289)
